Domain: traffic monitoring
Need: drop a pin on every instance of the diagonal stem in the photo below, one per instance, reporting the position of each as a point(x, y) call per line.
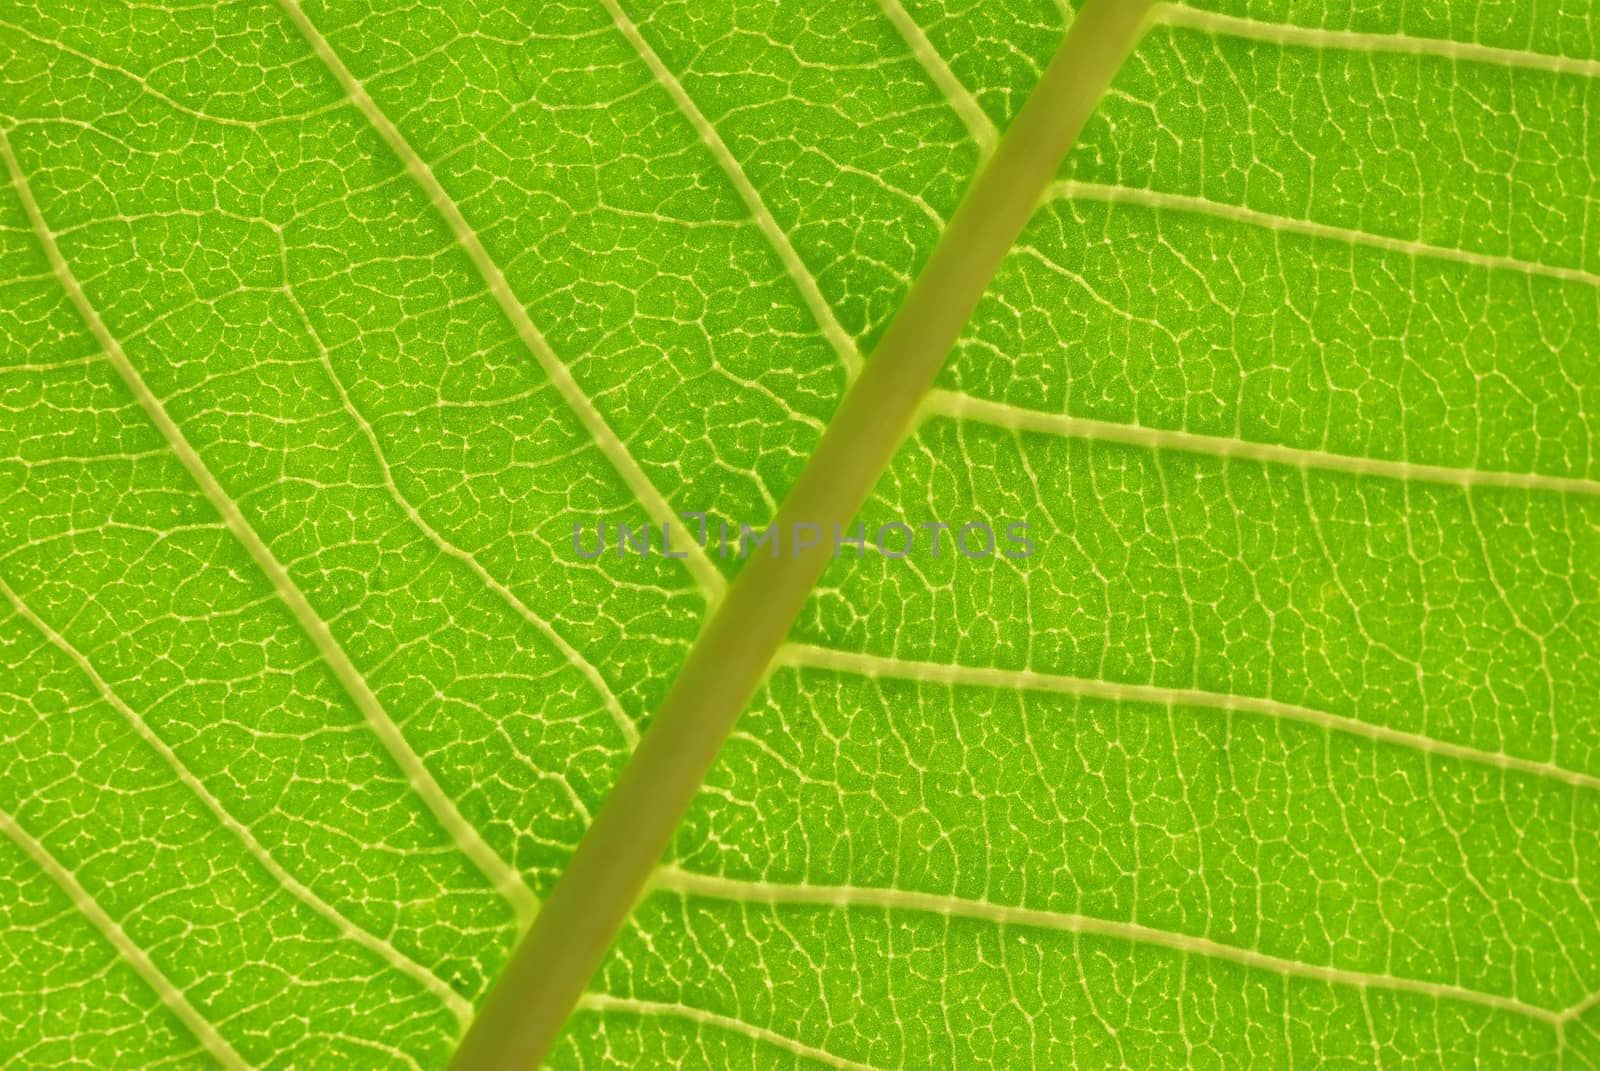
point(549, 969)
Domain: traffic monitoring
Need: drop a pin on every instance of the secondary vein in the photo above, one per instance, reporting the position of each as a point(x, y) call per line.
point(573, 657)
point(203, 1030)
point(700, 567)
point(958, 406)
point(1280, 33)
point(804, 281)
point(600, 1002)
point(348, 928)
point(803, 655)
point(689, 883)
point(979, 127)
point(1069, 190)
point(548, 971)
point(464, 835)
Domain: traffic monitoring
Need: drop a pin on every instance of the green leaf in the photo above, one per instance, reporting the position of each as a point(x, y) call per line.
point(324, 323)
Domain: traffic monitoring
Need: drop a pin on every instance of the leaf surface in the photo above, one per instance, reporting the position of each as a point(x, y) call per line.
point(325, 323)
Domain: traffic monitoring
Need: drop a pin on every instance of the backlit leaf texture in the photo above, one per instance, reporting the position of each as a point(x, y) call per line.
point(323, 324)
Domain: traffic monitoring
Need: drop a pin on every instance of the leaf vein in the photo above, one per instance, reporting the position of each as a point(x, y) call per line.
point(552, 964)
point(687, 883)
point(810, 656)
point(455, 1002)
point(465, 836)
point(1156, 199)
point(604, 1002)
point(700, 567)
point(1581, 1008)
point(574, 657)
point(959, 406)
point(979, 126)
point(168, 993)
point(843, 345)
point(1216, 23)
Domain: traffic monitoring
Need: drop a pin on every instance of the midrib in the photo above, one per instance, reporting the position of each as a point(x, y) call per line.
point(551, 966)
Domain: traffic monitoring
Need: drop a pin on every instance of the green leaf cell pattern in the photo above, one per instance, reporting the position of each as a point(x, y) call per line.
point(323, 322)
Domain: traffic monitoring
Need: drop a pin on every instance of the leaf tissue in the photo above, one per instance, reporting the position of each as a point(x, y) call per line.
point(327, 325)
